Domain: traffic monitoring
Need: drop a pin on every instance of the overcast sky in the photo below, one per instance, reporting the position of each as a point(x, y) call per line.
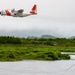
point(55, 17)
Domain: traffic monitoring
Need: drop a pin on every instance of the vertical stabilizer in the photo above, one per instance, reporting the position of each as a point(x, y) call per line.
point(34, 10)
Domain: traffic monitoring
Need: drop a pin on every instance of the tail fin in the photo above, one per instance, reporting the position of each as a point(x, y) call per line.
point(34, 10)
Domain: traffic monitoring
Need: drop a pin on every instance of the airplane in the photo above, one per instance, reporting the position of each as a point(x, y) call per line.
point(19, 13)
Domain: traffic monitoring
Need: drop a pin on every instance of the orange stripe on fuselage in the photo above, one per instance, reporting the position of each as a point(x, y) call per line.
point(7, 12)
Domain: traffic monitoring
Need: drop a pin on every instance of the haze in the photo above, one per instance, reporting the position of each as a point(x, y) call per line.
point(55, 17)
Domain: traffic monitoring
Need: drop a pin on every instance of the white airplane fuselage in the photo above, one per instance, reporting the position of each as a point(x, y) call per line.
point(18, 13)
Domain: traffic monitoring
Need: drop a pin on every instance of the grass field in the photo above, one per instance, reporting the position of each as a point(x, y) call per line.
point(15, 48)
point(16, 52)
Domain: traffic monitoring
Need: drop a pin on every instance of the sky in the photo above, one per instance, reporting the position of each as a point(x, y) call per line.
point(55, 17)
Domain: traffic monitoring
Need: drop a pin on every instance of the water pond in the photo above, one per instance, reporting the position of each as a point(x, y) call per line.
point(34, 67)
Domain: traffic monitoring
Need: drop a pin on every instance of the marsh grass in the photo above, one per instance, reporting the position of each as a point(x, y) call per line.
point(11, 52)
point(14, 48)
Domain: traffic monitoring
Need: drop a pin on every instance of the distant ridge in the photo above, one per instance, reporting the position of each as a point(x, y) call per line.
point(47, 36)
point(73, 37)
point(27, 34)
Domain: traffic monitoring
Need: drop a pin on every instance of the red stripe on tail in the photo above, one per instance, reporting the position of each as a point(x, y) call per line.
point(34, 7)
point(33, 11)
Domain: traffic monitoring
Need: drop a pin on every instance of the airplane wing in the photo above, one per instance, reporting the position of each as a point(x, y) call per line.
point(20, 11)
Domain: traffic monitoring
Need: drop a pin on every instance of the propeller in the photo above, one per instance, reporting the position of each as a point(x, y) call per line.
point(0, 12)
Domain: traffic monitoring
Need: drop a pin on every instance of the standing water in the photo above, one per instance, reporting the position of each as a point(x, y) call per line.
point(29, 67)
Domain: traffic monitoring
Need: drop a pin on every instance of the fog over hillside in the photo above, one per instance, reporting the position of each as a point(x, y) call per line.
point(27, 33)
point(37, 26)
